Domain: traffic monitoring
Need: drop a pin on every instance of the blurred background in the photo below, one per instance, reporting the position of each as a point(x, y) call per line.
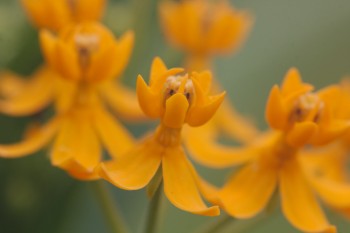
point(312, 35)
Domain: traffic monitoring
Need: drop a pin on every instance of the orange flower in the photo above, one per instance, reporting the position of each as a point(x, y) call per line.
point(56, 14)
point(85, 56)
point(327, 168)
point(203, 28)
point(176, 99)
point(305, 117)
point(276, 159)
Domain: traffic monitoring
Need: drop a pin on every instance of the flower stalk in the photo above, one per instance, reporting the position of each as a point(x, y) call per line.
point(109, 207)
point(152, 220)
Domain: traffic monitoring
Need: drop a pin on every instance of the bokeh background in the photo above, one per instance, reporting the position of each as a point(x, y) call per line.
point(312, 35)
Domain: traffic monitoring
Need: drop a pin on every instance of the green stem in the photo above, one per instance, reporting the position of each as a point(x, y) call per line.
point(218, 225)
point(153, 211)
point(109, 207)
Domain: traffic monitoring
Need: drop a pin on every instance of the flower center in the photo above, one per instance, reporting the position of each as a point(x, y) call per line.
point(86, 44)
point(307, 107)
point(178, 84)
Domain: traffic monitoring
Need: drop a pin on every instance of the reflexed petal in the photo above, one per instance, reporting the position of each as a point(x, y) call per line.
point(76, 141)
point(329, 133)
point(77, 171)
point(248, 192)
point(301, 133)
point(136, 169)
point(11, 84)
point(175, 111)
point(328, 162)
point(32, 97)
point(208, 191)
point(150, 102)
point(180, 184)
point(276, 112)
point(29, 145)
point(204, 149)
point(326, 170)
point(335, 193)
point(299, 204)
point(124, 101)
point(235, 125)
point(114, 136)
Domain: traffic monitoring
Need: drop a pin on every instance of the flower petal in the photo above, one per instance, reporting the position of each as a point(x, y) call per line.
point(32, 96)
point(235, 125)
point(113, 135)
point(180, 184)
point(208, 191)
point(73, 168)
point(11, 84)
point(204, 108)
point(248, 192)
point(33, 143)
point(204, 149)
point(276, 113)
point(124, 101)
point(89, 10)
point(48, 44)
point(292, 83)
point(301, 133)
point(299, 204)
point(150, 102)
point(175, 111)
point(136, 169)
point(66, 62)
point(77, 141)
point(336, 194)
point(329, 133)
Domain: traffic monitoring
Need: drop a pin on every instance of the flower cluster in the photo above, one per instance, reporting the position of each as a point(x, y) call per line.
point(301, 157)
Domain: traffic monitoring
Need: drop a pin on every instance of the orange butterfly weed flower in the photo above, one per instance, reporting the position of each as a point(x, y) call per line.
point(297, 117)
point(86, 57)
point(56, 14)
point(203, 28)
point(328, 167)
point(175, 98)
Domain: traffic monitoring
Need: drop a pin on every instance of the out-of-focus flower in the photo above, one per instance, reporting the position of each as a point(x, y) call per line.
point(327, 167)
point(304, 116)
point(86, 57)
point(56, 14)
point(204, 28)
point(175, 99)
point(297, 117)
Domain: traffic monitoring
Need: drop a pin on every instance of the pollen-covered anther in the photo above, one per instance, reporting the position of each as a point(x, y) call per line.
point(307, 107)
point(173, 84)
point(86, 44)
